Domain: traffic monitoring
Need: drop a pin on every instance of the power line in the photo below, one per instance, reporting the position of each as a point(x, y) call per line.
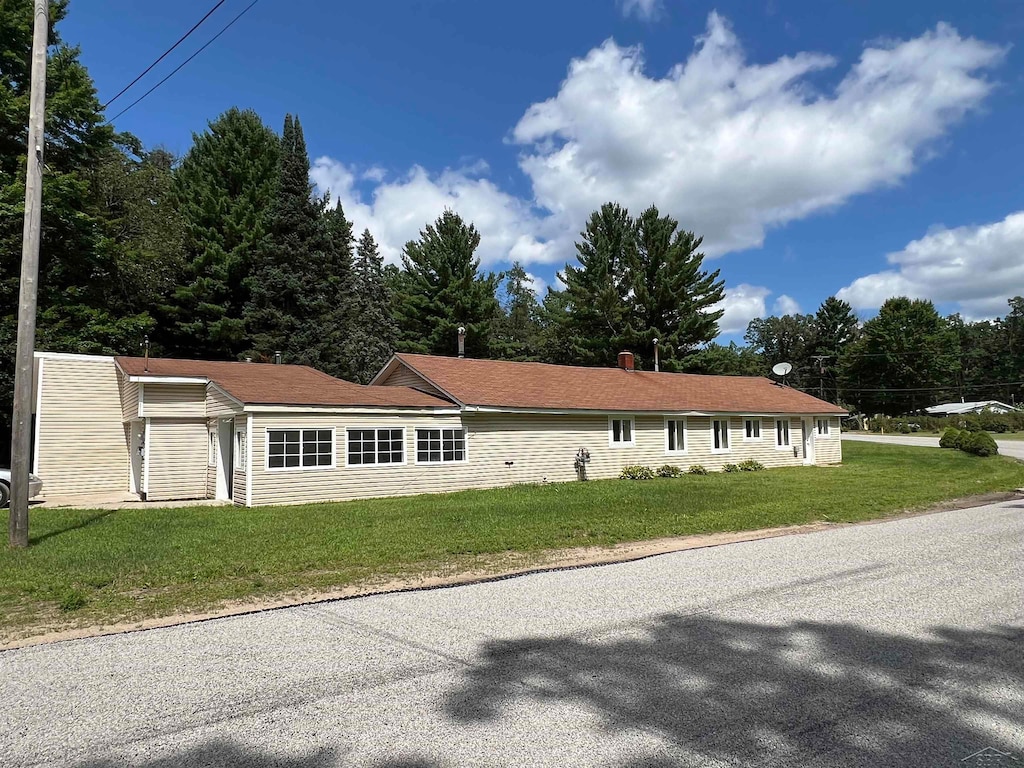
point(164, 54)
point(933, 389)
point(186, 61)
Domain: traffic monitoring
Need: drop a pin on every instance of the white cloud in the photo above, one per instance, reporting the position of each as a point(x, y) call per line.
point(728, 147)
point(644, 9)
point(733, 148)
point(375, 173)
point(977, 267)
point(785, 305)
point(741, 304)
point(538, 285)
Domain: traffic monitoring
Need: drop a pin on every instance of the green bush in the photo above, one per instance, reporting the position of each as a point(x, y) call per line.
point(731, 468)
point(949, 438)
point(696, 469)
point(980, 444)
point(636, 472)
point(669, 470)
point(962, 436)
point(750, 465)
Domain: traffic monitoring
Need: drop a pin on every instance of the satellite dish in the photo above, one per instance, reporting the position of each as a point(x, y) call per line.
point(781, 369)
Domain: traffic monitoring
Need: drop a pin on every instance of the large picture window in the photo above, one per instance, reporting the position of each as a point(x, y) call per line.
point(675, 435)
point(437, 446)
point(298, 448)
point(376, 446)
point(720, 435)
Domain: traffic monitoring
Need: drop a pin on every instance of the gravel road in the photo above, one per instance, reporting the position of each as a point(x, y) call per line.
point(900, 643)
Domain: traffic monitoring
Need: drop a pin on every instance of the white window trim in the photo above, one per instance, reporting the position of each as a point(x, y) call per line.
point(760, 429)
point(300, 468)
point(240, 448)
point(632, 432)
point(416, 447)
point(789, 435)
point(686, 437)
point(375, 465)
point(828, 426)
point(728, 434)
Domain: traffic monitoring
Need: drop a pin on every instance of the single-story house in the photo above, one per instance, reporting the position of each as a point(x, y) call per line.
point(258, 433)
point(960, 409)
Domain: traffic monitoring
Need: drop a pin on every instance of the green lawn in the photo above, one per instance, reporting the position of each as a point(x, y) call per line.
point(86, 567)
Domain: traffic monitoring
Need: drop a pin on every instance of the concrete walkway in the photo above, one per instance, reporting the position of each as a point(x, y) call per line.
point(1014, 448)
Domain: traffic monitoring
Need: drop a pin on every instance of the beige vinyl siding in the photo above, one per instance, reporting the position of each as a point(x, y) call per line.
point(177, 459)
point(219, 404)
point(829, 450)
point(174, 400)
point(402, 376)
point(129, 398)
point(541, 448)
point(81, 446)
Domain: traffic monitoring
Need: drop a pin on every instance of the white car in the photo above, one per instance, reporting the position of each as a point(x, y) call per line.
point(35, 487)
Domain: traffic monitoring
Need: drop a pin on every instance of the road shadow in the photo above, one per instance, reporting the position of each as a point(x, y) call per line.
point(221, 753)
point(803, 694)
point(85, 522)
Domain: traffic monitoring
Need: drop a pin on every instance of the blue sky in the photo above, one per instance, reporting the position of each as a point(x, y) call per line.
point(861, 147)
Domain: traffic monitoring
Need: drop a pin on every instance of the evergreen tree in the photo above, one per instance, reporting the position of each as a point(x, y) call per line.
point(516, 333)
point(903, 356)
point(596, 290)
point(671, 298)
point(835, 328)
point(224, 190)
point(373, 335)
point(718, 360)
point(442, 289)
point(789, 339)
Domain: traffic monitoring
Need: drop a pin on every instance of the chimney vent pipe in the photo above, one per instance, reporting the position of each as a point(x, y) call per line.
point(626, 361)
point(462, 341)
point(277, 357)
point(656, 356)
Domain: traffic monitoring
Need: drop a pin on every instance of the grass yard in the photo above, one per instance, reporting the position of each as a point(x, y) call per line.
point(90, 567)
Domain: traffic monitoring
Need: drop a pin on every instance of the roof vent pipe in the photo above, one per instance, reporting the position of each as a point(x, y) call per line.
point(626, 361)
point(248, 359)
point(277, 357)
point(655, 355)
point(462, 341)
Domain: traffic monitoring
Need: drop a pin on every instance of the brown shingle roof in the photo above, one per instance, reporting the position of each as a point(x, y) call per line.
point(267, 384)
point(501, 384)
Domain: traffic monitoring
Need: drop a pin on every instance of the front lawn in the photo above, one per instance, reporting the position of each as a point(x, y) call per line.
point(87, 567)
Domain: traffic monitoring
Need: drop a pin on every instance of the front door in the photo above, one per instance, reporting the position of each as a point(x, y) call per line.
point(225, 459)
point(808, 430)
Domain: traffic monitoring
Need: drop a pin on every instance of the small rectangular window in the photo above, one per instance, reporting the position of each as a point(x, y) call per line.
point(376, 446)
point(621, 432)
point(823, 427)
point(295, 448)
point(782, 433)
point(438, 446)
point(675, 435)
point(720, 430)
point(752, 429)
point(239, 449)
point(211, 458)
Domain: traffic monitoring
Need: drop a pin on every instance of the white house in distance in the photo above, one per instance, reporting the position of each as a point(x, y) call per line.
point(960, 409)
point(257, 433)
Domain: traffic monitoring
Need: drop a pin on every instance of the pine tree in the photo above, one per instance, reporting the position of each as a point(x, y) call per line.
point(671, 298)
point(224, 190)
point(373, 335)
point(516, 333)
point(442, 289)
point(786, 339)
point(835, 328)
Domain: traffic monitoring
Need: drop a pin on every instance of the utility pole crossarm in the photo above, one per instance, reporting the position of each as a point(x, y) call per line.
point(21, 436)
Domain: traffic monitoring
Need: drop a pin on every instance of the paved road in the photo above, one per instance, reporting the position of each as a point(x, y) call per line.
point(893, 644)
point(1014, 448)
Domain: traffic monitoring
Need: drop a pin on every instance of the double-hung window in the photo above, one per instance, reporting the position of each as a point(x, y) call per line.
point(620, 431)
point(782, 433)
point(823, 427)
point(440, 446)
point(720, 435)
point(751, 429)
point(296, 448)
point(376, 446)
point(675, 435)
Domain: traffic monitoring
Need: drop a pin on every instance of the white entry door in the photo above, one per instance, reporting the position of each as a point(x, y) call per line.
point(808, 430)
point(225, 459)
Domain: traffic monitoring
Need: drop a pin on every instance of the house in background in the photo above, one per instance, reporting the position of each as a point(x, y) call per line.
point(960, 409)
point(257, 433)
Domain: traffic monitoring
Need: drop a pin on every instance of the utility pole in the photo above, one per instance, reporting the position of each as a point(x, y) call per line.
point(21, 438)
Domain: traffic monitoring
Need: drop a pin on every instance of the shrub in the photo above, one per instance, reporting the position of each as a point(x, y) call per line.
point(750, 465)
point(636, 472)
point(980, 444)
point(697, 469)
point(669, 470)
point(731, 468)
point(949, 438)
point(961, 439)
